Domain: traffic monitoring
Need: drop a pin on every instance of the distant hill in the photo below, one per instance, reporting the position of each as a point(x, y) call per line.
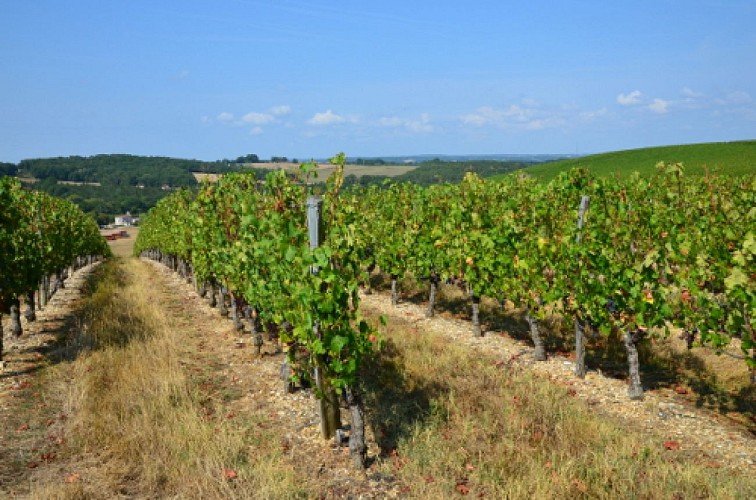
point(119, 170)
point(437, 171)
point(111, 184)
point(410, 159)
point(733, 158)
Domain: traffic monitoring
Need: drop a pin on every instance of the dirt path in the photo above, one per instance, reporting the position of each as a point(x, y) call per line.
point(715, 439)
point(245, 384)
point(237, 385)
point(28, 437)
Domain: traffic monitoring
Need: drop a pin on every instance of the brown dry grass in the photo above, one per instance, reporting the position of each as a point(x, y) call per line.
point(455, 423)
point(449, 423)
point(135, 425)
point(714, 381)
point(200, 177)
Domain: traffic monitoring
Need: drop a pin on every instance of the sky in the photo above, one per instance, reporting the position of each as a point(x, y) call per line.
point(220, 79)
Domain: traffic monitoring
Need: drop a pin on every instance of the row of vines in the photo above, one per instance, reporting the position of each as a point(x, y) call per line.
point(635, 257)
point(249, 249)
point(41, 239)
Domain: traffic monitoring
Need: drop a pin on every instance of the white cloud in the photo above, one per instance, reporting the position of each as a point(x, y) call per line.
point(543, 123)
point(630, 99)
point(512, 115)
point(475, 119)
point(659, 106)
point(390, 121)
point(533, 117)
point(280, 110)
point(421, 125)
point(516, 116)
point(739, 97)
point(256, 131)
point(258, 118)
point(225, 117)
point(326, 118)
point(594, 115)
point(690, 93)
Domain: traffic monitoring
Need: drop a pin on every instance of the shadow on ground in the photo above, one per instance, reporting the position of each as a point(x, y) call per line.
point(660, 369)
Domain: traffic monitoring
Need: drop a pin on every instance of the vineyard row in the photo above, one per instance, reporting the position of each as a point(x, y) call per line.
point(42, 240)
point(632, 257)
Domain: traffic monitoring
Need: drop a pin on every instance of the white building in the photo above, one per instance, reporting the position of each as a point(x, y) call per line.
point(126, 220)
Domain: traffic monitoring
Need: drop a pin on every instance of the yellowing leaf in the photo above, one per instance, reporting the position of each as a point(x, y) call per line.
point(736, 278)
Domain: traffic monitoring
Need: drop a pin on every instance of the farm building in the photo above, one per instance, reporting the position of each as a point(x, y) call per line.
point(126, 220)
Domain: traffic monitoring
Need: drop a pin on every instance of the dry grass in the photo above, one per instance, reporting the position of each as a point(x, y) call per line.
point(201, 177)
point(451, 423)
point(135, 423)
point(717, 382)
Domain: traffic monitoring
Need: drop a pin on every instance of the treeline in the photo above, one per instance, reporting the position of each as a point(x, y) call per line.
point(113, 184)
point(438, 171)
point(104, 202)
point(8, 169)
point(118, 170)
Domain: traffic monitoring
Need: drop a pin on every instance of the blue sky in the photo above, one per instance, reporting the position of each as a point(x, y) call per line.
point(220, 79)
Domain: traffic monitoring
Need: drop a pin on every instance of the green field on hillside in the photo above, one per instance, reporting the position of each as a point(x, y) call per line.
point(734, 158)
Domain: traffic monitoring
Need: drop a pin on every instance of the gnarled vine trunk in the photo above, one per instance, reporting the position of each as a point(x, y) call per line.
point(357, 446)
point(368, 287)
point(211, 297)
point(30, 314)
point(222, 309)
point(635, 390)
point(394, 292)
point(539, 354)
point(434, 281)
point(235, 316)
point(475, 299)
point(15, 317)
point(328, 406)
point(288, 385)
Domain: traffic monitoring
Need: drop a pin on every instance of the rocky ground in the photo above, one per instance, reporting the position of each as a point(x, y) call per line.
point(29, 430)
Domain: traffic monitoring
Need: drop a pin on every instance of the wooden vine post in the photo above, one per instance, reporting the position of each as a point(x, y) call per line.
point(580, 323)
point(328, 403)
